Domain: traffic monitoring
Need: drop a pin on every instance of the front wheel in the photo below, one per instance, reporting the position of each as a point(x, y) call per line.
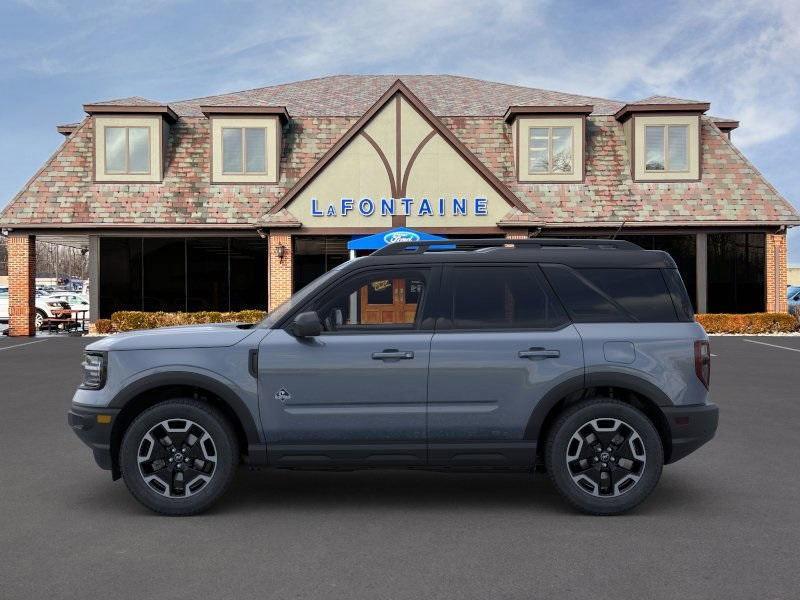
point(604, 456)
point(178, 457)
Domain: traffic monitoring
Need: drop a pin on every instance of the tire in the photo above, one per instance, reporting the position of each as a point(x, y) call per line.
point(632, 467)
point(39, 318)
point(163, 433)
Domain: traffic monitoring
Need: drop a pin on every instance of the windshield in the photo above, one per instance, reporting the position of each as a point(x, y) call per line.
point(300, 296)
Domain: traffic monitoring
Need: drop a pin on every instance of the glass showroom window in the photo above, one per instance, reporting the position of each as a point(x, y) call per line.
point(666, 148)
point(244, 150)
point(550, 150)
point(127, 150)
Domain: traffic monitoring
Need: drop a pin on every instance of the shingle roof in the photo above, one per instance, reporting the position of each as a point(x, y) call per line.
point(352, 95)
point(63, 193)
point(665, 100)
point(130, 101)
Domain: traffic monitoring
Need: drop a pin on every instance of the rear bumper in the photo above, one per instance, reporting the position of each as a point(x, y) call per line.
point(690, 427)
point(97, 435)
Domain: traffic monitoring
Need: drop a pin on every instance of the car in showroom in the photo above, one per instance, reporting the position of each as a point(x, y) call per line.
point(579, 357)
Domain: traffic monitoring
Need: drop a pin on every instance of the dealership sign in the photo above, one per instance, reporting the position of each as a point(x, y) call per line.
point(422, 207)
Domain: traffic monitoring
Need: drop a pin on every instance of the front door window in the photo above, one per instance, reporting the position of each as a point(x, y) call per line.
point(386, 299)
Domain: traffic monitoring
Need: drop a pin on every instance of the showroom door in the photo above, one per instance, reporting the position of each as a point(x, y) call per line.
point(390, 301)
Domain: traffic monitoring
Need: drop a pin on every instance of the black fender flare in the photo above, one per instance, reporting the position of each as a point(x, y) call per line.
point(199, 380)
point(591, 380)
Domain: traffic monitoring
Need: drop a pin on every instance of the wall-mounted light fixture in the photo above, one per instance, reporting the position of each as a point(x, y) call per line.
point(280, 252)
point(261, 233)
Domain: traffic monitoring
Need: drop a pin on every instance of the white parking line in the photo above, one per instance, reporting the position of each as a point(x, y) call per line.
point(20, 345)
point(772, 345)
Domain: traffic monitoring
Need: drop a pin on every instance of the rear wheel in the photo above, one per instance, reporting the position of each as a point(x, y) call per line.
point(604, 456)
point(178, 457)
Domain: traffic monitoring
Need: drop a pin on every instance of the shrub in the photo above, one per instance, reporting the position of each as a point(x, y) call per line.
point(752, 323)
point(103, 326)
point(128, 320)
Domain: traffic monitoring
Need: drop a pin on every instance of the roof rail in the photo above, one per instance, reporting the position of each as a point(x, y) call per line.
point(422, 246)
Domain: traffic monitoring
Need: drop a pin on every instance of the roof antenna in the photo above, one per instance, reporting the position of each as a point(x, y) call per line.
point(616, 233)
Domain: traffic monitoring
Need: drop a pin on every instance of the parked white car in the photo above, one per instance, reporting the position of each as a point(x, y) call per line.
point(3, 304)
point(45, 305)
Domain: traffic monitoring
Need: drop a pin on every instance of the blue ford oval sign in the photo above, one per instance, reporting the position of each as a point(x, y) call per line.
point(400, 236)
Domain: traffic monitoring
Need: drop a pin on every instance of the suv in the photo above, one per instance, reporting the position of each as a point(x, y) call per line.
point(579, 357)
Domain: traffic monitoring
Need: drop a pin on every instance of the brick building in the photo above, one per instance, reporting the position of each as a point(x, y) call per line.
point(234, 201)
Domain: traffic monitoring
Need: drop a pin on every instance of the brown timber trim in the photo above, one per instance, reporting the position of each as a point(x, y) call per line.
point(384, 160)
point(411, 159)
point(630, 109)
point(725, 124)
point(398, 220)
point(398, 147)
point(399, 87)
point(515, 111)
point(131, 109)
point(67, 130)
point(277, 111)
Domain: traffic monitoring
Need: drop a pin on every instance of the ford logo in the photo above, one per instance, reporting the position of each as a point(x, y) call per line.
point(400, 236)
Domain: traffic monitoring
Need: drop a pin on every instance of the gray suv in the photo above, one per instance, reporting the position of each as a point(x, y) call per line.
point(578, 357)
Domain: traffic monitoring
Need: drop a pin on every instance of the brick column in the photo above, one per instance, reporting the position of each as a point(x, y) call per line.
point(279, 284)
point(21, 284)
point(775, 273)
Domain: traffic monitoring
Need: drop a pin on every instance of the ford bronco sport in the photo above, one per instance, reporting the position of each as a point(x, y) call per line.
point(580, 357)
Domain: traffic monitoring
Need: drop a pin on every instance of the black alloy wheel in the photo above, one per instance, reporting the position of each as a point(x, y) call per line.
point(179, 456)
point(604, 456)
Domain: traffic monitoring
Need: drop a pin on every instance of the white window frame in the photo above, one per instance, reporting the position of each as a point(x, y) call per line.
point(272, 140)
point(127, 129)
point(635, 134)
point(244, 171)
point(550, 170)
point(665, 148)
point(521, 138)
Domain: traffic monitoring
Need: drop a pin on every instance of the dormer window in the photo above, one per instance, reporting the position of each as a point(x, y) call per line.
point(550, 150)
point(130, 140)
point(245, 143)
point(244, 150)
point(666, 148)
point(548, 142)
point(127, 150)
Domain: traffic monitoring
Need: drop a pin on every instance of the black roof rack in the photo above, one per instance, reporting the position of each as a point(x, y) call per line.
point(422, 246)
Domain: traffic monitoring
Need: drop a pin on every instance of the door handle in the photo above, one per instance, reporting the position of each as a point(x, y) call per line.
point(538, 353)
point(392, 354)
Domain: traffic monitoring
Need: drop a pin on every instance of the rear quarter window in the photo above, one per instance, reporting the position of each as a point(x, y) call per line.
point(612, 295)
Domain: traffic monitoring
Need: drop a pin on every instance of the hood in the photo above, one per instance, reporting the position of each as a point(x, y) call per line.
point(213, 335)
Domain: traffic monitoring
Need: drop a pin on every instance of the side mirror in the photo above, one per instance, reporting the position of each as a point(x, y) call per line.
point(306, 324)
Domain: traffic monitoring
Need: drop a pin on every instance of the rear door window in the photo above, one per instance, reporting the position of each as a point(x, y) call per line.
point(609, 295)
point(497, 297)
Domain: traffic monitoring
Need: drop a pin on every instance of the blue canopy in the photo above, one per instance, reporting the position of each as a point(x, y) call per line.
point(397, 234)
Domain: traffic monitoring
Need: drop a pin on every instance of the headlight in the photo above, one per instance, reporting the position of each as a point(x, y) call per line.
point(53, 304)
point(94, 370)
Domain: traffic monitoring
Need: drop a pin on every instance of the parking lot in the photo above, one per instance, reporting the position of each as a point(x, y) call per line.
point(723, 522)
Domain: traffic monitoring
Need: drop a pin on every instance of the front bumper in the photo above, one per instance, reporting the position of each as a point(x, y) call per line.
point(93, 426)
point(690, 427)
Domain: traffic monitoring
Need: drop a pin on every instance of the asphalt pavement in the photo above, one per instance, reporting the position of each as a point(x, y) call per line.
point(723, 523)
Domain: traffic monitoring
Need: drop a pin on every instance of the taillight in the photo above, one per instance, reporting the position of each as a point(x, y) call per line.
point(702, 361)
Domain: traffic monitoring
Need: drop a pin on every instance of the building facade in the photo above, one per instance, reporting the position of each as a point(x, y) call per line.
point(235, 201)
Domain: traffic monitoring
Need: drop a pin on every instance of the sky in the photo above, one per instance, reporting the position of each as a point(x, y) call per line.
point(742, 56)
